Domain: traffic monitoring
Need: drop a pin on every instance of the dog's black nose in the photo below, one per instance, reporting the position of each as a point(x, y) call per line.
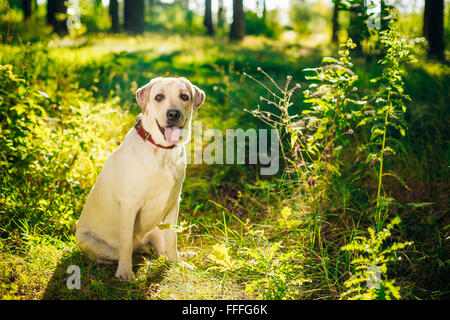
point(173, 114)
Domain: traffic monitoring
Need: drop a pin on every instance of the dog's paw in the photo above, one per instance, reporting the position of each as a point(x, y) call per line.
point(187, 254)
point(124, 274)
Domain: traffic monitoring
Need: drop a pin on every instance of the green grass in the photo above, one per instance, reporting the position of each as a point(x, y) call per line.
point(91, 82)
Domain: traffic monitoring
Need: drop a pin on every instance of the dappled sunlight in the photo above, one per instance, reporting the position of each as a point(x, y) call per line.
point(361, 189)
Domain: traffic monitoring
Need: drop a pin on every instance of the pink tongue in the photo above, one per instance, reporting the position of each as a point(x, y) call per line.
point(172, 134)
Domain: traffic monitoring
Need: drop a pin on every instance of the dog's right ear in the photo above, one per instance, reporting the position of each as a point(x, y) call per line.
point(199, 97)
point(143, 94)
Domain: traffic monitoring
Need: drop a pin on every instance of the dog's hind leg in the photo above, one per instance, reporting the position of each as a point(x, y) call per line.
point(155, 239)
point(94, 247)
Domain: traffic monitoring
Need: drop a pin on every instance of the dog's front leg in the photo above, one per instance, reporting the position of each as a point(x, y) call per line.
point(126, 229)
point(170, 238)
point(170, 235)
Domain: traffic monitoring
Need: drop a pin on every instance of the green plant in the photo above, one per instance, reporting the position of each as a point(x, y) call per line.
point(330, 139)
point(369, 280)
point(270, 269)
point(277, 273)
point(267, 25)
point(85, 87)
point(54, 141)
point(329, 125)
point(387, 111)
point(367, 17)
point(308, 18)
point(281, 120)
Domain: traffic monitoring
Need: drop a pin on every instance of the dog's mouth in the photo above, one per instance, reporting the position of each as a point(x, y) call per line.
point(172, 134)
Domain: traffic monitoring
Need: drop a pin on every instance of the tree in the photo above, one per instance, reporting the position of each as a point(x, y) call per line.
point(150, 7)
point(433, 28)
point(358, 24)
point(426, 17)
point(237, 31)
point(56, 9)
point(26, 7)
point(208, 23)
point(261, 5)
point(184, 4)
point(114, 14)
point(126, 14)
point(220, 14)
point(335, 30)
point(384, 15)
point(134, 16)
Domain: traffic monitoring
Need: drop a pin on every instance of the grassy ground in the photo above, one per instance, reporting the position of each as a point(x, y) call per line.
point(91, 83)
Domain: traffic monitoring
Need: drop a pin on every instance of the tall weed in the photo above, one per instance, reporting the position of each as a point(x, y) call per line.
point(333, 142)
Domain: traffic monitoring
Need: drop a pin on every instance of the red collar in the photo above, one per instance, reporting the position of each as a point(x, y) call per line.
point(146, 135)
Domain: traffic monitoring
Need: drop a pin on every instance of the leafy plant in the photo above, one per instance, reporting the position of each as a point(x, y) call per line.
point(388, 108)
point(366, 18)
point(75, 100)
point(279, 274)
point(287, 220)
point(281, 120)
point(221, 257)
point(328, 125)
point(330, 137)
point(369, 280)
point(54, 141)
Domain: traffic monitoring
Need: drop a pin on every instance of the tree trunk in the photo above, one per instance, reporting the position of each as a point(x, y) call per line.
point(433, 28)
point(208, 23)
point(237, 31)
point(126, 14)
point(184, 4)
point(335, 31)
point(150, 6)
point(26, 7)
point(264, 11)
point(426, 16)
point(220, 14)
point(261, 9)
point(357, 24)
point(114, 14)
point(134, 16)
point(384, 19)
point(54, 8)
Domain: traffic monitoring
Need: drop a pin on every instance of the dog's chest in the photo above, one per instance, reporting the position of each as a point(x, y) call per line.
point(165, 173)
point(161, 184)
point(162, 191)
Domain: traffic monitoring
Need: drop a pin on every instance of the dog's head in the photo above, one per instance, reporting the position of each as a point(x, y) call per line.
point(167, 107)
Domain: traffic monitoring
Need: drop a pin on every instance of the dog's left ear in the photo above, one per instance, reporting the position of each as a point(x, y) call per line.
point(143, 93)
point(198, 98)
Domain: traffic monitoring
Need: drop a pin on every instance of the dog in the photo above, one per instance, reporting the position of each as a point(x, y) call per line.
point(140, 185)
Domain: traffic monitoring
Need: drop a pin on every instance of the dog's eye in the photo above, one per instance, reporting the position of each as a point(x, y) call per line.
point(184, 97)
point(159, 97)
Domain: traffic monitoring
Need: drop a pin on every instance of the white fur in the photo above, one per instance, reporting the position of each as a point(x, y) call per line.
point(138, 189)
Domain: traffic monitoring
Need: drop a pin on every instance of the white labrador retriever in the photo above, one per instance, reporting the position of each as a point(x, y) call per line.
point(139, 187)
